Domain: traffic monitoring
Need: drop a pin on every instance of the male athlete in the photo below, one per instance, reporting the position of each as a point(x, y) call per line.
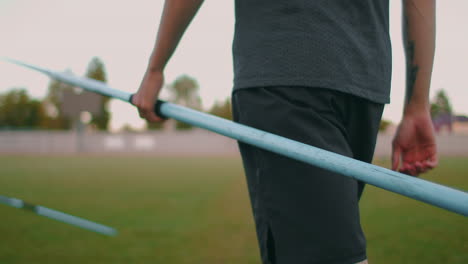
point(315, 71)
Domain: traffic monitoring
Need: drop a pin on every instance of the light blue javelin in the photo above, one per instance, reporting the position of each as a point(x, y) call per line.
point(432, 193)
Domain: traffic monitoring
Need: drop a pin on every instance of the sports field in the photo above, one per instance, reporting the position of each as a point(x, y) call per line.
point(192, 210)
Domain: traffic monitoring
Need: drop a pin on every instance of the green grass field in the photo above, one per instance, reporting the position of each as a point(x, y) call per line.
point(192, 210)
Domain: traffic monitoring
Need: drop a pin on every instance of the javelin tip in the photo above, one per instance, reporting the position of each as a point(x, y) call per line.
point(24, 64)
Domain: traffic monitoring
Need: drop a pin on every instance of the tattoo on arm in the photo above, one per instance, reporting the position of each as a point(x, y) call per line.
point(411, 68)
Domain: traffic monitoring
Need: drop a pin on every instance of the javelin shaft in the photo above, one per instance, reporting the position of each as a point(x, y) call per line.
point(58, 216)
point(418, 189)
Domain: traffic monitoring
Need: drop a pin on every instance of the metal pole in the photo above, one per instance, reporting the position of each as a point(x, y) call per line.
point(418, 189)
point(59, 216)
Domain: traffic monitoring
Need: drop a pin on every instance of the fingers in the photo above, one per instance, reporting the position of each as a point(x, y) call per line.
point(151, 117)
point(414, 168)
point(146, 111)
point(396, 155)
point(432, 162)
point(409, 169)
point(149, 114)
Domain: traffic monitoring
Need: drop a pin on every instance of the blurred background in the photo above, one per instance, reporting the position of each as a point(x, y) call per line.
point(176, 193)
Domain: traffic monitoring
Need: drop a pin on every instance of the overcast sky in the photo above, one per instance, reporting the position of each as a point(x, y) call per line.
point(66, 34)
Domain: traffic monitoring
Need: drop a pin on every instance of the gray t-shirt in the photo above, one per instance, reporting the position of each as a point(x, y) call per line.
point(337, 44)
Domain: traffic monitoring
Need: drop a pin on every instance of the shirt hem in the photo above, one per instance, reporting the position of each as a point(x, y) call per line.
point(381, 98)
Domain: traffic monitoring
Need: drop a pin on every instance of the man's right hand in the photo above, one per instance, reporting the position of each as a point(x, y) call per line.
point(147, 96)
point(176, 16)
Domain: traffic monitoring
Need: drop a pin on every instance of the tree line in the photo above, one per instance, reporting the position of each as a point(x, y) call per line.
point(20, 111)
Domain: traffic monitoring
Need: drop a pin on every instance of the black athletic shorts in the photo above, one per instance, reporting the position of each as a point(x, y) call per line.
point(304, 214)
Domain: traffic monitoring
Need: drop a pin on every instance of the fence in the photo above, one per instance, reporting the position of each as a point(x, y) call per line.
point(192, 142)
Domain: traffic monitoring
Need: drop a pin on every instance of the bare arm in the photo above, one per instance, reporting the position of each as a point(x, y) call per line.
point(419, 43)
point(414, 143)
point(176, 17)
